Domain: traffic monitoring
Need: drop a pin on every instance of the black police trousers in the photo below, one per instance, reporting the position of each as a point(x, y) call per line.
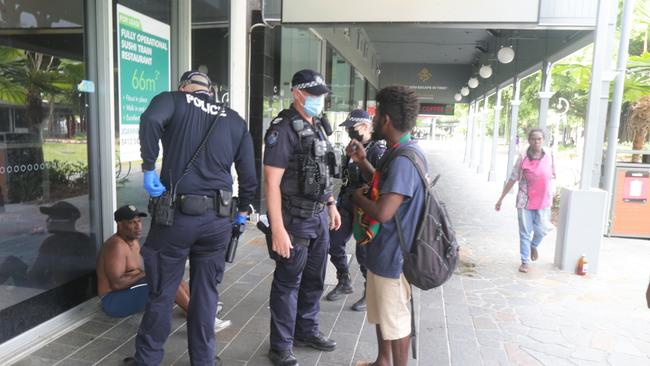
point(204, 239)
point(298, 283)
point(338, 240)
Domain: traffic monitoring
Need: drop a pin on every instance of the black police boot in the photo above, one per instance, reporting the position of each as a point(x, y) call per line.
point(319, 342)
point(130, 361)
point(343, 287)
point(360, 305)
point(283, 358)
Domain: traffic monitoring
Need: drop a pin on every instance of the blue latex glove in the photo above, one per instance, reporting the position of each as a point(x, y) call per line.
point(240, 220)
point(152, 184)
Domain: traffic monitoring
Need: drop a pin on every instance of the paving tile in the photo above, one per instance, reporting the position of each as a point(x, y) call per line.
point(260, 361)
point(54, 351)
point(345, 347)
point(94, 328)
point(75, 339)
point(33, 361)
point(589, 354)
point(622, 359)
point(96, 350)
point(464, 353)
point(74, 362)
point(122, 331)
point(244, 346)
point(112, 359)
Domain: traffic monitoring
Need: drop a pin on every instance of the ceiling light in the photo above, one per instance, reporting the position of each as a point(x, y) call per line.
point(472, 82)
point(464, 91)
point(485, 71)
point(506, 55)
point(458, 97)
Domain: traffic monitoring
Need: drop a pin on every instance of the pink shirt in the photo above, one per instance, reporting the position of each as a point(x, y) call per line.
point(534, 176)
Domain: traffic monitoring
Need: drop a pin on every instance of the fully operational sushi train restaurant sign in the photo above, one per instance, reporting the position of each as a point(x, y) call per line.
point(143, 65)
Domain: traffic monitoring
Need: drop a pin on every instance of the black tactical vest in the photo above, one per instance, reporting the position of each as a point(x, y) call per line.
point(307, 181)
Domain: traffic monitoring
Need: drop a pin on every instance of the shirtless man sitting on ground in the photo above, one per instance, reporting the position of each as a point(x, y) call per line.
point(121, 282)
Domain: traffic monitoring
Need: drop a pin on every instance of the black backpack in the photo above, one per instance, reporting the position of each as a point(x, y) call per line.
point(433, 256)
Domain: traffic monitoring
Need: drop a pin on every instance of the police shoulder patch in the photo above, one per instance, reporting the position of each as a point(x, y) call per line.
point(271, 138)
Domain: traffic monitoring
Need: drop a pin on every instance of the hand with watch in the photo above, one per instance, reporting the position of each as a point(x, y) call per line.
point(333, 213)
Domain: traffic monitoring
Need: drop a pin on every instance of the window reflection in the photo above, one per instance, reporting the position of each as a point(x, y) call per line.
point(44, 174)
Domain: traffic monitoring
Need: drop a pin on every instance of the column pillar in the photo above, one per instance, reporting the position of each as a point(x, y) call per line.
point(238, 53)
point(615, 110)
point(545, 95)
point(481, 164)
point(475, 128)
point(468, 135)
point(495, 134)
point(514, 120)
point(101, 126)
point(181, 39)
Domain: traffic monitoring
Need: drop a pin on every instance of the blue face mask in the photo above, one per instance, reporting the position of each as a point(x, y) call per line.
point(314, 105)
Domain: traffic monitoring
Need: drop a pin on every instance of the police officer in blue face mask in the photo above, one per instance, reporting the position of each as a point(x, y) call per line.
point(191, 210)
point(359, 128)
point(298, 166)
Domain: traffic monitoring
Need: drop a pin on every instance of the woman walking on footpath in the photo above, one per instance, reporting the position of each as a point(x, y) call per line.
point(534, 171)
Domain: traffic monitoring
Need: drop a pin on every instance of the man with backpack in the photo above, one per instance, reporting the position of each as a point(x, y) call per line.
point(395, 191)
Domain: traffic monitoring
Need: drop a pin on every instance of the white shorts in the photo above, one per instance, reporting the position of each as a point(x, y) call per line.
point(388, 305)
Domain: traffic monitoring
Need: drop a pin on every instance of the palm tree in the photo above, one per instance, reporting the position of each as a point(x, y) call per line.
point(25, 78)
point(639, 124)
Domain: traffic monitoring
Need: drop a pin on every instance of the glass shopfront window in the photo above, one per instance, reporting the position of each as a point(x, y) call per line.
point(339, 78)
point(149, 62)
point(47, 236)
point(359, 97)
point(301, 49)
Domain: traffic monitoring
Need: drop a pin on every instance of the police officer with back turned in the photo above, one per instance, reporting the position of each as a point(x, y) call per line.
point(298, 165)
point(191, 210)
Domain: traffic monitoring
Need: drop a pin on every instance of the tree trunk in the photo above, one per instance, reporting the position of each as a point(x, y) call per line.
point(637, 144)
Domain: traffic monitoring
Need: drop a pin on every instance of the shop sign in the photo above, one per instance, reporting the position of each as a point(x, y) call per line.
point(432, 109)
point(143, 65)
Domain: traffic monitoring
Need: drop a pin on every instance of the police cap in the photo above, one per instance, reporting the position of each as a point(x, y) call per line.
point(195, 77)
point(310, 81)
point(356, 116)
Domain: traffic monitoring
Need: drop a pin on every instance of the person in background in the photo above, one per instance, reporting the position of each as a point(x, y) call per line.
point(534, 171)
point(359, 128)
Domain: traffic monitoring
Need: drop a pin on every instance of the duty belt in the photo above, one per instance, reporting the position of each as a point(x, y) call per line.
point(302, 207)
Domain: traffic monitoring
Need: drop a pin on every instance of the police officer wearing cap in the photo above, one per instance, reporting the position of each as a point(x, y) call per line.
point(200, 192)
point(359, 127)
point(298, 166)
